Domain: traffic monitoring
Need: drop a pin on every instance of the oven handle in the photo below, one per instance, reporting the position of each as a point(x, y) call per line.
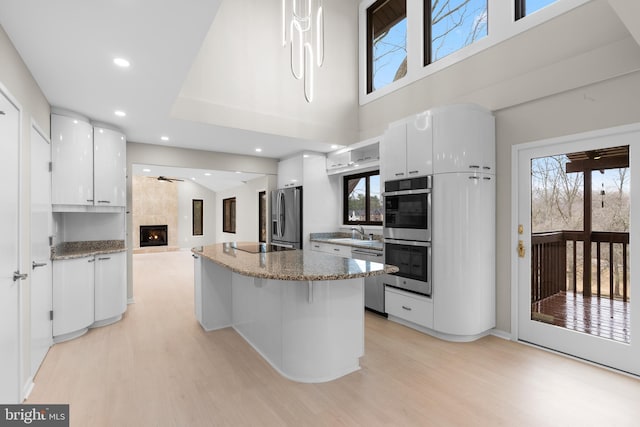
point(406, 192)
point(408, 242)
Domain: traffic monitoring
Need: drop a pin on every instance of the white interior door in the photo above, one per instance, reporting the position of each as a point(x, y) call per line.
point(608, 352)
point(9, 252)
point(41, 274)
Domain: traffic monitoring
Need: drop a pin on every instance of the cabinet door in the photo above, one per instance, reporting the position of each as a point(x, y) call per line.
point(420, 146)
point(290, 172)
point(72, 157)
point(337, 160)
point(110, 285)
point(110, 167)
point(73, 295)
point(393, 155)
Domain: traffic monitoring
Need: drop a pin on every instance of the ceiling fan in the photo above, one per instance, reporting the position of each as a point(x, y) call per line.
point(167, 179)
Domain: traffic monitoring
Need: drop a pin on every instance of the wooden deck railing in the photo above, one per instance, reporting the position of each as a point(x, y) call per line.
point(556, 264)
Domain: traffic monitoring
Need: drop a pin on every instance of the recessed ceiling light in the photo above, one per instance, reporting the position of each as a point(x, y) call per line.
point(258, 150)
point(334, 146)
point(207, 174)
point(164, 138)
point(193, 178)
point(146, 170)
point(120, 113)
point(238, 172)
point(121, 62)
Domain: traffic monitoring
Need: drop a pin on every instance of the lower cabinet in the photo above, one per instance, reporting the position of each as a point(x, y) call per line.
point(73, 297)
point(88, 292)
point(110, 287)
point(340, 250)
point(411, 307)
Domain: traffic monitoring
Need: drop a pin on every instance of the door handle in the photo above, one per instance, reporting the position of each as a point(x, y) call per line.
point(35, 265)
point(521, 250)
point(17, 276)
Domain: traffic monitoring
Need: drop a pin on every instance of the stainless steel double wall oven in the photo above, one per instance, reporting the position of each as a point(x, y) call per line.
point(407, 233)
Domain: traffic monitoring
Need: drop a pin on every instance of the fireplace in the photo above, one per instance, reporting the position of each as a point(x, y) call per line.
point(153, 235)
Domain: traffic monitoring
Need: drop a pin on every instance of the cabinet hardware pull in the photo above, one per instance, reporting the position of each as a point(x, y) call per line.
point(406, 308)
point(90, 200)
point(91, 260)
point(400, 174)
point(486, 167)
point(35, 265)
point(412, 172)
point(336, 249)
point(17, 276)
point(487, 178)
point(195, 256)
point(104, 201)
point(104, 258)
point(474, 166)
point(474, 177)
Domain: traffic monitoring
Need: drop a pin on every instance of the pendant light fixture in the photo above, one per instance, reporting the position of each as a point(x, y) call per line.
point(303, 30)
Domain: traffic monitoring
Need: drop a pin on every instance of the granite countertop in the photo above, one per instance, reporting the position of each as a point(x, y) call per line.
point(70, 250)
point(346, 239)
point(299, 265)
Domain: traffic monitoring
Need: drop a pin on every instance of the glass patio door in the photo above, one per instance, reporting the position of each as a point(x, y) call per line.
point(574, 275)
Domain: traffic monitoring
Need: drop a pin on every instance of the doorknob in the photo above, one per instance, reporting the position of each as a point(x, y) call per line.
point(521, 248)
point(17, 276)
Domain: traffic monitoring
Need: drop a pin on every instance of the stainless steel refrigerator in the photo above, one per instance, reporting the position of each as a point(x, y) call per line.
point(286, 217)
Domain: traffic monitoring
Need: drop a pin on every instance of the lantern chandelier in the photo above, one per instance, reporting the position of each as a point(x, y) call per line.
point(303, 29)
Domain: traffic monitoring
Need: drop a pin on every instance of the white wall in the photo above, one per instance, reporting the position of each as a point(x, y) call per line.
point(242, 76)
point(246, 210)
point(187, 192)
point(16, 78)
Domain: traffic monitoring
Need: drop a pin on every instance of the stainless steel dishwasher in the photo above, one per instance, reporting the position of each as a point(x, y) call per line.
point(373, 286)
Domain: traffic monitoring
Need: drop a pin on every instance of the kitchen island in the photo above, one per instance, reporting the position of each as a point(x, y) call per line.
point(303, 311)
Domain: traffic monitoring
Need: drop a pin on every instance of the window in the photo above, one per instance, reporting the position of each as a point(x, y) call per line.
point(386, 43)
point(527, 7)
point(229, 215)
point(450, 25)
point(362, 199)
point(197, 211)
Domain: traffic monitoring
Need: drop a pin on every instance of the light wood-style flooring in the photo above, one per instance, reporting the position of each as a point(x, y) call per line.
point(157, 367)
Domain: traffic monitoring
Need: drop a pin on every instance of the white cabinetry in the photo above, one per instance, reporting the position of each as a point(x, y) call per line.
point(406, 150)
point(464, 253)
point(110, 288)
point(110, 167)
point(88, 292)
point(73, 297)
point(338, 159)
point(72, 158)
point(407, 306)
point(290, 172)
point(89, 165)
point(460, 139)
point(328, 248)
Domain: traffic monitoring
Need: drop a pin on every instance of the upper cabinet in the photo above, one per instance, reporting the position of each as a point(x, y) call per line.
point(88, 166)
point(463, 139)
point(72, 159)
point(361, 155)
point(456, 138)
point(110, 167)
point(407, 148)
point(290, 172)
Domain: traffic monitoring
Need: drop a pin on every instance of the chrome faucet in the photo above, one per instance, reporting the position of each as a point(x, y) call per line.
point(359, 231)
